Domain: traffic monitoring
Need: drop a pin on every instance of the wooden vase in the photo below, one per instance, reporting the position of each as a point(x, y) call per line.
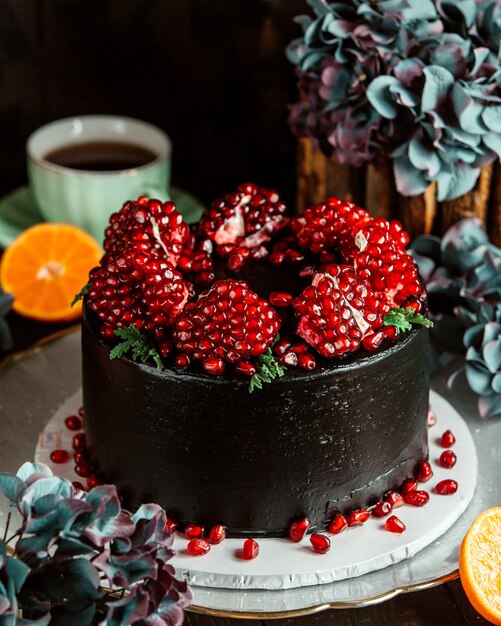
point(373, 187)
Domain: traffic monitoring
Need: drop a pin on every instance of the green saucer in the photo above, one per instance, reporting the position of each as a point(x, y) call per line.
point(19, 211)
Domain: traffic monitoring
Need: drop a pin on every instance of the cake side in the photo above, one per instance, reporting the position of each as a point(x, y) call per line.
point(308, 444)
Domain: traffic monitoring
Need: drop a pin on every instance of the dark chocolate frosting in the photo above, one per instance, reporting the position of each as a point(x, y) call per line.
point(308, 444)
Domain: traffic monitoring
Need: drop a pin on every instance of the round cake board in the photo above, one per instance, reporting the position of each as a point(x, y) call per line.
point(283, 564)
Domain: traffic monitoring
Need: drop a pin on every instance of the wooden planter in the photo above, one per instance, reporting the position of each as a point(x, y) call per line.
point(373, 187)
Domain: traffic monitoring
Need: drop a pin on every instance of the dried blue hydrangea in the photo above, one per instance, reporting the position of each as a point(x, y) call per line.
point(417, 80)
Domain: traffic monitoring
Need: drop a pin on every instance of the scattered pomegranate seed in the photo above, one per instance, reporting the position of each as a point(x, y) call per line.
point(81, 411)
point(170, 525)
point(409, 485)
point(93, 481)
point(446, 487)
point(424, 472)
point(245, 368)
point(300, 348)
point(78, 442)
point(250, 549)
point(338, 524)
point(198, 547)
point(194, 531)
point(307, 271)
point(447, 459)
point(280, 299)
point(213, 366)
point(80, 457)
point(432, 420)
point(83, 469)
point(59, 456)
point(182, 361)
point(217, 534)
point(447, 440)
point(394, 525)
point(281, 347)
point(390, 332)
point(357, 518)
point(320, 543)
point(73, 422)
point(78, 485)
point(395, 499)
point(382, 509)
point(298, 529)
point(418, 497)
point(307, 361)
point(373, 341)
point(289, 358)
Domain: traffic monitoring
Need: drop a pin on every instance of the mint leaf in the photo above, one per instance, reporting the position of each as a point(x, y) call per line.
point(83, 292)
point(403, 319)
point(137, 344)
point(267, 369)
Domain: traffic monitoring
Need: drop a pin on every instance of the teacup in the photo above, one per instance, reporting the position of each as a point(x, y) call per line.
point(69, 186)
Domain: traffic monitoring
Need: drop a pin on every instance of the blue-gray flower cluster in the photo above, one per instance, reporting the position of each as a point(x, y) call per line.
point(418, 80)
point(463, 279)
point(74, 547)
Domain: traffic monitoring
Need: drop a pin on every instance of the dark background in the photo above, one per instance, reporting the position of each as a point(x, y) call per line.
point(211, 73)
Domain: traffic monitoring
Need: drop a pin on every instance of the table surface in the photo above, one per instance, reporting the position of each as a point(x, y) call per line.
point(443, 604)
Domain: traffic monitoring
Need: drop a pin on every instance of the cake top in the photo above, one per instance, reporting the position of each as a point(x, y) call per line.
point(249, 289)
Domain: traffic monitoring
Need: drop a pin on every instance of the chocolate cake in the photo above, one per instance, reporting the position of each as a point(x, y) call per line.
point(337, 416)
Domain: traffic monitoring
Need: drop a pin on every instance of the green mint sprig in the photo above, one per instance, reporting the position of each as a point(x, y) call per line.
point(83, 292)
point(403, 319)
point(137, 344)
point(267, 369)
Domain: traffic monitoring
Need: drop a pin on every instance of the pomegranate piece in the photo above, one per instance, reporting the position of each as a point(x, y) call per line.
point(320, 543)
point(409, 485)
point(357, 518)
point(250, 549)
point(395, 499)
point(394, 525)
point(193, 531)
point(59, 456)
point(417, 497)
point(299, 528)
point(446, 487)
point(170, 525)
point(78, 442)
point(198, 547)
point(338, 524)
point(447, 440)
point(447, 459)
point(382, 509)
point(424, 472)
point(228, 323)
point(73, 422)
point(217, 534)
point(280, 299)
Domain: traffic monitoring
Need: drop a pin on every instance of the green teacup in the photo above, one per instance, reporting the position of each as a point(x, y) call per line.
point(82, 169)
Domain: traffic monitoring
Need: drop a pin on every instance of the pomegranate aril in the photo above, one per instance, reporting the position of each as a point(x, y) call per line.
point(280, 299)
point(289, 358)
point(198, 547)
point(245, 368)
point(93, 481)
point(59, 456)
point(447, 459)
point(320, 543)
point(170, 525)
point(424, 472)
point(281, 347)
point(395, 499)
point(418, 497)
point(432, 420)
point(447, 440)
point(446, 487)
point(394, 525)
point(338, 524)
point(73, 422)
point(373, 341)
point(78, 485)
point(299, 528)
point(250, 549)
point(357, 518)
point(182, 361)
point(81, 412)
point(81, 457)
point(409, 485)
point(217, 534)
point(193, 531)
point(83, 469)
point(382, 509)
point(307, 362)
point(78, 442)
point(213, 366)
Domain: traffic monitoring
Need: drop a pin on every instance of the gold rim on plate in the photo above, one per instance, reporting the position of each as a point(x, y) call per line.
point(202, 610)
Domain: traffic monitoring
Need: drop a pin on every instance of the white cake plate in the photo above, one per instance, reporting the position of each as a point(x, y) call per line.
point(283, 564)
point(35, 383)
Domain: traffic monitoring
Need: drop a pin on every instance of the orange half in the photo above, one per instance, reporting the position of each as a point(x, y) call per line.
point(480, 565)
point(45, 267)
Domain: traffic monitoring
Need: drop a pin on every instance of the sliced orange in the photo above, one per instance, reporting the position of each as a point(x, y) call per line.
point(480, 565)
point(45, 267)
